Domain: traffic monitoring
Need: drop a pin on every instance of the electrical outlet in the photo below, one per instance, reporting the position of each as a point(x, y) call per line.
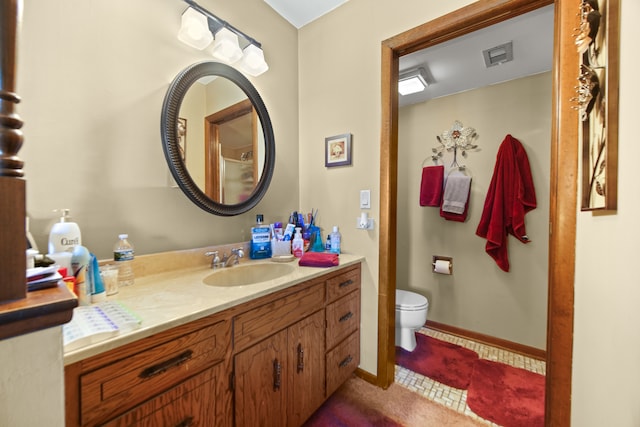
point(365, 199)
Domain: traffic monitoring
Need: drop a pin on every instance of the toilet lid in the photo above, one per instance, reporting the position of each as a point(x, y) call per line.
point(406, 300)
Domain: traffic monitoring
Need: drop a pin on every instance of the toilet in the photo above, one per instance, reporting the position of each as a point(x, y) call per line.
point(411, 315)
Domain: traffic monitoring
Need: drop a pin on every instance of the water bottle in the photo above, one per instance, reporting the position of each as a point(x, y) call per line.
point(335, 240)
point(123, 256)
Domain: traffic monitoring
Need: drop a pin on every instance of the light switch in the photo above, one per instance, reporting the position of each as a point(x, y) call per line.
point(365, 199)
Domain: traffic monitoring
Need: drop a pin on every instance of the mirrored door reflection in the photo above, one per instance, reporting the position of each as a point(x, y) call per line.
point(231, 171)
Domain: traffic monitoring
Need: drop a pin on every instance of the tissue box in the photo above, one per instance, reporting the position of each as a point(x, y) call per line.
point(279, 248)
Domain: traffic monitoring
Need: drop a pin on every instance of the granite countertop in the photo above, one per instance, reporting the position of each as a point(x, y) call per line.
point(174, 298)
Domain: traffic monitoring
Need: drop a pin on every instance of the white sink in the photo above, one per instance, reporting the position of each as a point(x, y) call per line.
point(247, 274)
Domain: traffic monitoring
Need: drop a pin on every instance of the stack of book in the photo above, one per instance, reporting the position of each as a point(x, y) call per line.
point(42, 277)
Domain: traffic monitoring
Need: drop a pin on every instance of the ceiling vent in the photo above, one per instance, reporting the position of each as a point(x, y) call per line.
point(498, 55)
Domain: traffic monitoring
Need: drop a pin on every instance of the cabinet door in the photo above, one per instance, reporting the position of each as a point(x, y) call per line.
point(306, 367)
point(261, 372)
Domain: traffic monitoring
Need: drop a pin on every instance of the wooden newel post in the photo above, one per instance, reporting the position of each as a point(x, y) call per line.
point(13, 242)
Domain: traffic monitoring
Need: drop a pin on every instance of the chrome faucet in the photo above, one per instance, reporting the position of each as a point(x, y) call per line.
point(234, 256)
point(215, 259)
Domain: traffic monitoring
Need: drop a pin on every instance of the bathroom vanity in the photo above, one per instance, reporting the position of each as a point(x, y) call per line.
point(264, 354)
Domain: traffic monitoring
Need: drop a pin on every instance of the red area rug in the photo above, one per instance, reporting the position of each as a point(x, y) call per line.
point(441, 361)
point(508, 396)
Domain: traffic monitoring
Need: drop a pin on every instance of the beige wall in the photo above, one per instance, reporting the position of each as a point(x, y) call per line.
point(607, 291)
point(92, 76)
point(339, 93)
point(31, 380)
point(479, 296)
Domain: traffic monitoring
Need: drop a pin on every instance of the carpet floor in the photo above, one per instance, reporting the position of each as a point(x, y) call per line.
point(360, 404)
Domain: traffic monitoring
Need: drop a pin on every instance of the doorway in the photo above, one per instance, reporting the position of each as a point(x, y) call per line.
point(562, 215)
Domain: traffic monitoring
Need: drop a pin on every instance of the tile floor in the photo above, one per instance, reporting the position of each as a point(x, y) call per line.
point(452, 397)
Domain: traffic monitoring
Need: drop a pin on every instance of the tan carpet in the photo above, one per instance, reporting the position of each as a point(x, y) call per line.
point(402, 405)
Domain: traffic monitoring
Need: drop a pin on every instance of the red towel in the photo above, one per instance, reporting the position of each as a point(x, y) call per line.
point(319, 259)
point(510, 196)
point(431, 185)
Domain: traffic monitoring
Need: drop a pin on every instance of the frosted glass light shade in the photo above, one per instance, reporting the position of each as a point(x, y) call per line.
point(253, 62)
point(411, 85)
point(194, 29)
point(226, 47)
point(412, 82)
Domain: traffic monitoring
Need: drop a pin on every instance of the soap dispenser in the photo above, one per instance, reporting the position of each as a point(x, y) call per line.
point(64, 235)
point(297, 246)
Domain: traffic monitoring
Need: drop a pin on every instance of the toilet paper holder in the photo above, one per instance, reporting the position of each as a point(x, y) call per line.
point(447, 259)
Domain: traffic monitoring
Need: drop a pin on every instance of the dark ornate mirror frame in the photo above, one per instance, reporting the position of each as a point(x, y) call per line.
point(168, 128)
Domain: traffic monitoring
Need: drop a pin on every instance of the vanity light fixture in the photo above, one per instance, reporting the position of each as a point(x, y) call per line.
point(230, 45)
point(194, 29)
point(412, 81)
point(226, 47)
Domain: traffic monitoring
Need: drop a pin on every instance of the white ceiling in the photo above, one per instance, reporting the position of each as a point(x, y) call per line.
point(458, 65)
point(300, 12)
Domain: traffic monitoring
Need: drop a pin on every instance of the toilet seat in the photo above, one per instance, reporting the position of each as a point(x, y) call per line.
point(410, 301)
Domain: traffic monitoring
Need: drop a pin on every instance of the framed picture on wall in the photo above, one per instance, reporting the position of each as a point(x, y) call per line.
point(337, 150)
point(598, 46)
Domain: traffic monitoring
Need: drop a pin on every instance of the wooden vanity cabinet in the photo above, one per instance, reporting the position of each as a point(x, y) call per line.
point(180, 375)
point(282, 379)
point(269, 362)
point(279, 359)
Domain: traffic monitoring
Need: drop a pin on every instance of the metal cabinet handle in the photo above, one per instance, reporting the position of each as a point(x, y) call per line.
point(345, 362)
point(300, 358)
point(277, 372)
point(187, 422)
point(346, 317)
point(154, 370)
point(345, 283)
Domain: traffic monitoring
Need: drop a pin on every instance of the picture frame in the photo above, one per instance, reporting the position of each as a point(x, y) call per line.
point(598, 43)
point(182, 138)
point(337, 150)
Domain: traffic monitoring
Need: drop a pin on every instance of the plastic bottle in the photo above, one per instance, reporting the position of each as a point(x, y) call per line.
point(260, 240)
point(123, 256)
point(80, 260)
point(335, 240)
point(64, 235)
point(297, 246)
point(327, 246)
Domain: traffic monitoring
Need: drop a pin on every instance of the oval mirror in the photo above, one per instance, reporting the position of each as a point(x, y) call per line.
point(217, 138)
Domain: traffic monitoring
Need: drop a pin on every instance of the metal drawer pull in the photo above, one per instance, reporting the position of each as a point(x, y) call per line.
point(346, 361)
point(300, 358)
point(154, 370)
point(346, 317)
point(277, 371)
point(345, 283)
point(187, 422)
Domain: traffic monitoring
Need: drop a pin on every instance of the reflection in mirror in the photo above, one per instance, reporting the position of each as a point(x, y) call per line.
point(226, 151)
point(217, 138)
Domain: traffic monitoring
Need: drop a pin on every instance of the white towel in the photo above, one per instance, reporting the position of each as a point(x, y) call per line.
point(456, 193)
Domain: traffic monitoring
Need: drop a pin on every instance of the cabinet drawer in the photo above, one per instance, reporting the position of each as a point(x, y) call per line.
point(126, 383)
point(343, 283)
point(190, 403)
point(343, 317)
point(261, 322)
point(342, 361)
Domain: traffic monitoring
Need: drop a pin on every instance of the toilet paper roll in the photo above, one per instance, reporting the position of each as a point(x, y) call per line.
point(442, 266)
